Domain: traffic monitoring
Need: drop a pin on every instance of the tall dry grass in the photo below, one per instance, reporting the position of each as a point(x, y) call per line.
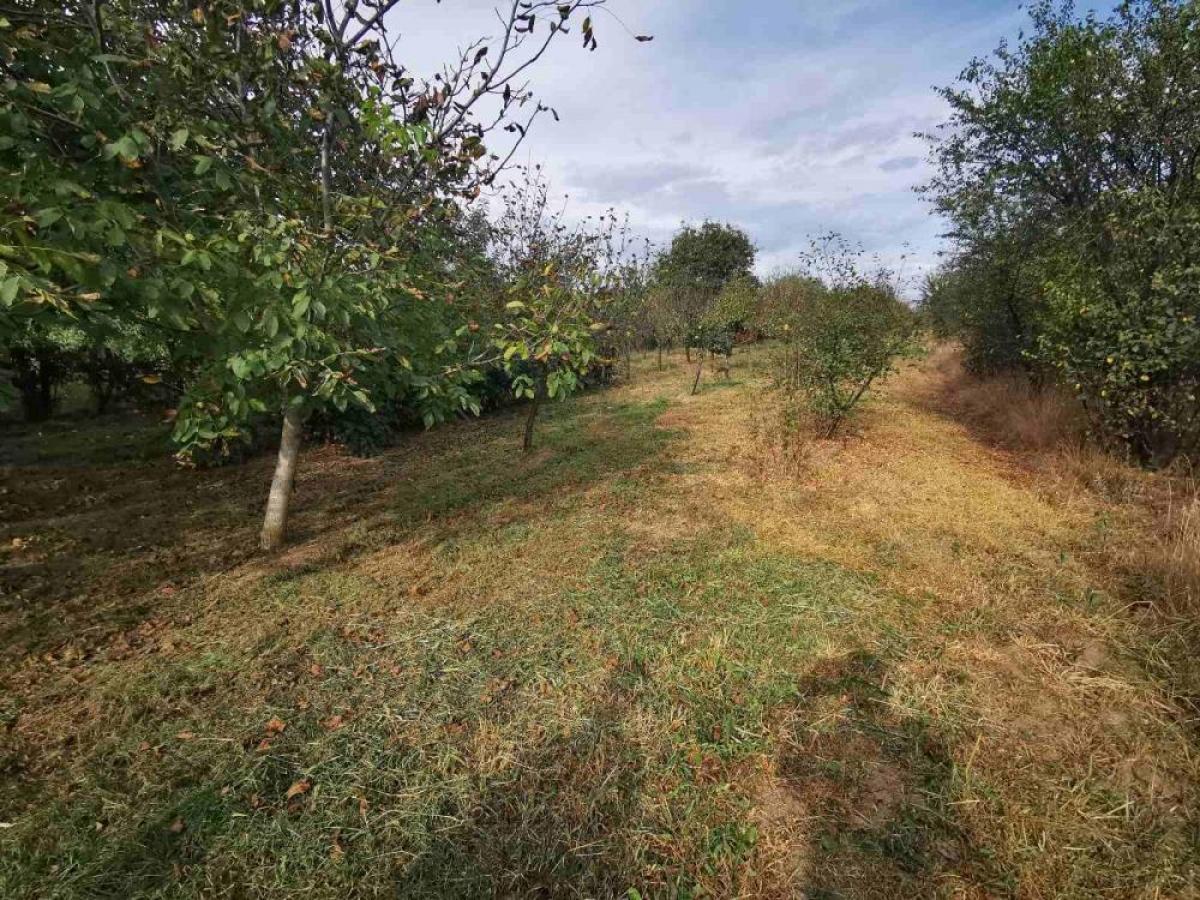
point(1179, 554)
point(1048, 427)
point(1008, 409)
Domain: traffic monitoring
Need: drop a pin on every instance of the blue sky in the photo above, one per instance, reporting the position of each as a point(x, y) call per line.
point(785, 117)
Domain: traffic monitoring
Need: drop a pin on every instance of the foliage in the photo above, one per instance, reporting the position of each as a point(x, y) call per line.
point(843, 329)
point(737, 302)
point(706, 257)
point(264, 185)
point(691, 275)
point(555, 284)
point(1069, 172)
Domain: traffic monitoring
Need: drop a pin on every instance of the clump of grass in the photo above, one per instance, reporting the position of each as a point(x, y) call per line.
point(782, 440)
point(1009, 409)
point(1178, 557)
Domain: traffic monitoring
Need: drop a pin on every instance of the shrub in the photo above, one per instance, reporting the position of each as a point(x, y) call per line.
point(843, 329)
point(848, 339)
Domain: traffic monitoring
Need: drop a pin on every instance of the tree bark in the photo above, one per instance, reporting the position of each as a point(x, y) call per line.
point(699, 370)
point(660, 357)
point(326, 178)
point(274, 530)
point(534, 406)
point(36, 380)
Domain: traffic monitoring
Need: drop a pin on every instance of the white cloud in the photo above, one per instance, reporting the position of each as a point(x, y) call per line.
point(785, 118)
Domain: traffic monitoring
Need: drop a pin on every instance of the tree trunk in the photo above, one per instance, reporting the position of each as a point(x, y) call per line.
point(534, 406)
point(699, 370)
point(660, 357)
point(326, 198)
point(628, 364)
point(35, 379)
point(687, 352)
point(274, 530)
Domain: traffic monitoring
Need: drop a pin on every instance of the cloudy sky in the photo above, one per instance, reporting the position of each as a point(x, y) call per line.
point(785, 117)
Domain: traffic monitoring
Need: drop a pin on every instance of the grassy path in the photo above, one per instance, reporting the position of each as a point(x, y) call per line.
point(643, 661)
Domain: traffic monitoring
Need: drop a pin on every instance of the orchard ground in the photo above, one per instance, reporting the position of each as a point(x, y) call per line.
point(658, 657)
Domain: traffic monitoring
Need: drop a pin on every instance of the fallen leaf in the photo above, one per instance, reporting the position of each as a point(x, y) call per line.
point(186, 735)
point(333, 723)
point(276, 725)
point(300, 787)
point(144, 746)
point(316, 670)
point(176, 827)
point(264, 745)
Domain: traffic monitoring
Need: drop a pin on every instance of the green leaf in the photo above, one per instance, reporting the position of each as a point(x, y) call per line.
point(178, 138)
point(8, 289)
point(203, 164)
point(126, 147)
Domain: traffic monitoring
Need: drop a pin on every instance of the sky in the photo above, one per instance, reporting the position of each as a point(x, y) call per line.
point(787, 118)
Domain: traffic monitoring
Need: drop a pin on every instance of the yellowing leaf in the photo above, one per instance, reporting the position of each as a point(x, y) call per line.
point(300, 787)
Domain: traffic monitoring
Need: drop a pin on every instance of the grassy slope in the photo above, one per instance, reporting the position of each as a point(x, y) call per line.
point(639, 659)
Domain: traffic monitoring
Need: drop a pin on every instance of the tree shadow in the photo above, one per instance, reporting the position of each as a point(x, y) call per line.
point(885, 824)
point(90, 552)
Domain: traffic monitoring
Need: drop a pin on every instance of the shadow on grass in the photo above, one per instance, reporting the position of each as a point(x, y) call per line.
point(92, 552)
point(557, 818)
point(887, 825)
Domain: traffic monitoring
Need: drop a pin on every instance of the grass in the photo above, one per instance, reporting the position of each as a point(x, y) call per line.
point(638, 662)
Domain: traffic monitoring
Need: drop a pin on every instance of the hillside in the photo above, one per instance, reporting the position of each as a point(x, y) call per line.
point(652, 659)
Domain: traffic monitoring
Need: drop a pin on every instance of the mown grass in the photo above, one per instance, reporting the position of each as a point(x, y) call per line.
point(630, 664)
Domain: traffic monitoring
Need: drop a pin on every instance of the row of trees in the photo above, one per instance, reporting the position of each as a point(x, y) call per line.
point(258, 201)
point(254, 210)
point(1069, 172)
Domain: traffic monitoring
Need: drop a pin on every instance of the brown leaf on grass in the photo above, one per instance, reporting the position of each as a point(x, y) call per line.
point(300, 787)
point(177, 826)
point(316, 670)
point(144, 746)
point(276, 725)
point(333, 723)
point(264, 745)
point(186, 735)
point(363, 807)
